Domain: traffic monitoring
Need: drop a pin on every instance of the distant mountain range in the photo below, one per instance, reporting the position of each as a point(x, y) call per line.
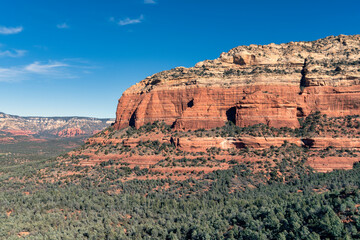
point(52, 126)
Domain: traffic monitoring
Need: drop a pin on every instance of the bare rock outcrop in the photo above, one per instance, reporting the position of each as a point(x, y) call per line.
point(272, 84)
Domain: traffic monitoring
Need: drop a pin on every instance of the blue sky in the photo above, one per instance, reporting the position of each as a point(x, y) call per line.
point(67, 58)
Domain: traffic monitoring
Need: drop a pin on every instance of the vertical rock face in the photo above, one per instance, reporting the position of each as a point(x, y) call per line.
point(272, 106)
point(271, 84)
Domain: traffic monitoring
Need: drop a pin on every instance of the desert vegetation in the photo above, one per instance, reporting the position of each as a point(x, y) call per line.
point(225, 204)
point(271, 194)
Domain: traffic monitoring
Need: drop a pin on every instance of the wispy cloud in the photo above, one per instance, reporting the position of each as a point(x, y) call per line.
point(36, 69)
point(14, 53)
point(11, 75)
point(10, 30)
point(128, 21)
point(64, 69)
point(40, 68)
point(62, 26)
point(149, 2)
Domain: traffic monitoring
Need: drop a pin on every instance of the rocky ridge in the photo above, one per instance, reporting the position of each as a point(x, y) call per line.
point(52, 126)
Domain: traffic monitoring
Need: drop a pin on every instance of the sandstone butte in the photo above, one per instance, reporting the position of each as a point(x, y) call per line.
point(272, 84)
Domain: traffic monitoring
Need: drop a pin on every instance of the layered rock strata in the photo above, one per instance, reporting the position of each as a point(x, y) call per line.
point(273, 84)
point(202, 144)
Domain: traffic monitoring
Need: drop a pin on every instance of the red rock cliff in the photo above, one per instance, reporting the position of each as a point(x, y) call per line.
point(272, 84)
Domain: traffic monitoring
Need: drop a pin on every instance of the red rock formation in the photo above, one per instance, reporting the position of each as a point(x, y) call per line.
point(127, 142)
point(205, 107)
point(273, 85)
point(328, 164)
point(324, 142)
point(189, 145)
point(250, 85)
point(202, 144)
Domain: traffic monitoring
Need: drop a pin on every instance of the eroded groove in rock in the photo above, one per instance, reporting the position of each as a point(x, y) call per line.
point(304, 71)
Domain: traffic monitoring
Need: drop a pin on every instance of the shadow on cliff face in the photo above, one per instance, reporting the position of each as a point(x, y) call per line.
point(303, 82)
point(190, 104)
point(300, 112)
point(239, 145)
point(231, 114)
point(308, 143)
point(132, 120)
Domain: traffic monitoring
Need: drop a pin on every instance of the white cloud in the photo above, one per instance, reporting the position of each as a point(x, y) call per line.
point(128, 21)
point(149, 2)
point(10, 30)
point(64, 69)
point(11, 75)
point(15, 53)
point(62, 26)
point(37, 67)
